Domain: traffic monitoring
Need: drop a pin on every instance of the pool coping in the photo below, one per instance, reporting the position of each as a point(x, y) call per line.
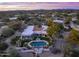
point(29, 44)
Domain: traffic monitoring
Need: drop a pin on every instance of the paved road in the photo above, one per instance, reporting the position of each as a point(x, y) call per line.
point(60, 43)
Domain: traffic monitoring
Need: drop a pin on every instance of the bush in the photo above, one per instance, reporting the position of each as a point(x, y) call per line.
point(7, 32)
point(16, 25)
point(75, 53)
point(34, 38)
point(24, 41)
point(14, 40)
point(3, 46)
point(14, 53)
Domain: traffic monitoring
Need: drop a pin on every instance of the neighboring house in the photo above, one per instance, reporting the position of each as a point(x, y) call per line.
point(74, 18)
point(74, 26)
point(59, 20)
point(72, 14)
point(13, 18)
point(2, 24)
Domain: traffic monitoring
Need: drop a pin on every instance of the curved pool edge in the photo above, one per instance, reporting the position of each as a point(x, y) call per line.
point(29, 44)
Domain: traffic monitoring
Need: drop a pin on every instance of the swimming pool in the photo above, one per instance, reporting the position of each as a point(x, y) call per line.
point(38, 43)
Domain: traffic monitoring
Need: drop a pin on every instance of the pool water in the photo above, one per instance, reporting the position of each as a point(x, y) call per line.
point(39, 44)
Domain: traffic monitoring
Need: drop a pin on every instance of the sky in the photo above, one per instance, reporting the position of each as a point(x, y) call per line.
point(37, 5)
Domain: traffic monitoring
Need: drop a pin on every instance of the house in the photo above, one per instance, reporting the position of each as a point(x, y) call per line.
point(74, 26)
point(13, 18)
point(31, 30)
point(59, 20)
point(74, 18)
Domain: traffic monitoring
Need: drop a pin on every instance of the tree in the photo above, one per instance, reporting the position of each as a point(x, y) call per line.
point(74, 53)
point(14, 40)
point(22, 17)
point(49, 22)
point(3, 46)
point(68, 19)
point(6, 32)
point(73, 37)
point(77, 15)
point(72, 41)
point(53, 28)
point(14, 53)
point(65, 15)
point(15, 25)
point(5, 19)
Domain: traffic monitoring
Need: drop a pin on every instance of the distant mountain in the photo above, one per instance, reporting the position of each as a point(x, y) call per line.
point(32, 11)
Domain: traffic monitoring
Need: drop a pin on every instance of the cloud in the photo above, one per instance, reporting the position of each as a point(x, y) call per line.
point(38, 5)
